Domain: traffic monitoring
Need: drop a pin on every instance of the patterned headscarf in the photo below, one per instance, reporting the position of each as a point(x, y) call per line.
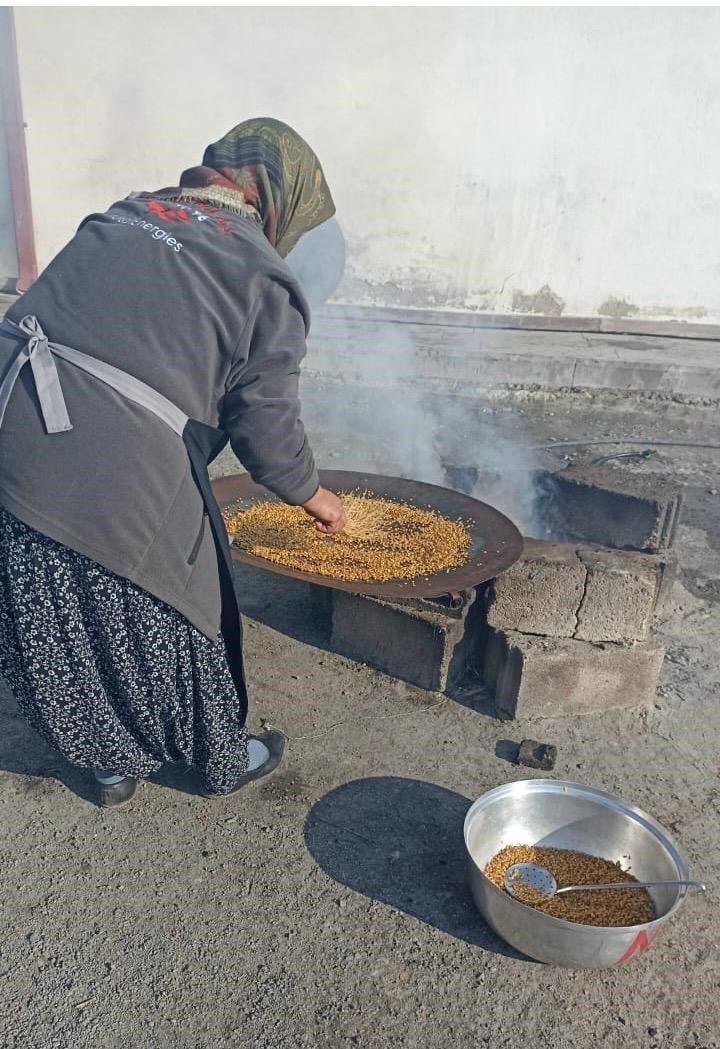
point(274, 172)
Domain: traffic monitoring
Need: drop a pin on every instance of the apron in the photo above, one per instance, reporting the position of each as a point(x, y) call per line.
point(202, 443)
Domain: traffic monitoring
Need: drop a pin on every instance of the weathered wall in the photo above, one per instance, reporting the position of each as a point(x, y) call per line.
point(491, 159)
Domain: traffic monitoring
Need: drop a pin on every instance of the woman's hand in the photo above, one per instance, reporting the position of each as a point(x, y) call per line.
point(328, 511)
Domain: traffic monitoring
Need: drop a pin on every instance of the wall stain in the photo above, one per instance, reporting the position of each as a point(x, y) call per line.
point(414, 289)
point(613, 307)
point(687, 313)
point(544, 301)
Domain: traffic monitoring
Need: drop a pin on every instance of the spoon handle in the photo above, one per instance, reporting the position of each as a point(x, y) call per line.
point(699, 885)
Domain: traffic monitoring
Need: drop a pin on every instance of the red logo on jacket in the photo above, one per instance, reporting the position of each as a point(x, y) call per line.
point(168, 213)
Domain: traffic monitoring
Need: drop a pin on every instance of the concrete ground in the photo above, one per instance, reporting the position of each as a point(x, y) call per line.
point(329, 907)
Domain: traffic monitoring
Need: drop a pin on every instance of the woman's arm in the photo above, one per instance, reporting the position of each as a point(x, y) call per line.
point(260, 411)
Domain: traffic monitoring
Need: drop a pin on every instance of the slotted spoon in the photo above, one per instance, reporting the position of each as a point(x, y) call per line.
point(534, 876)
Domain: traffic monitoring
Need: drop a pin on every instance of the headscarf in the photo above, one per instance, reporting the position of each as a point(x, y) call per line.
point(269, 169)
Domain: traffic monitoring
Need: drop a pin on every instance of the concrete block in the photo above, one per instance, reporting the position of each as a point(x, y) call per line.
point(621, 591)
point(541, 593)
point(560, 590)
point(321, 602)
point(420, 642)
point(669, 568)
point(492, 658)
point(604, 506)
point(537, 677)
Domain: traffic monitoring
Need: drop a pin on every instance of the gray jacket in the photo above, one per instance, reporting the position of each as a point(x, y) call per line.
point(194, 302)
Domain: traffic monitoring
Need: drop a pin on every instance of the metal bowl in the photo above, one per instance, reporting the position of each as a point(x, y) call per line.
point(570, 816)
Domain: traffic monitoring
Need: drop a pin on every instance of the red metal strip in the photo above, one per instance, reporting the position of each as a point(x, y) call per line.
point(14, 129)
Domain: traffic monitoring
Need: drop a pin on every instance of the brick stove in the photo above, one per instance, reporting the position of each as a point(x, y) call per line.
point(567, 630)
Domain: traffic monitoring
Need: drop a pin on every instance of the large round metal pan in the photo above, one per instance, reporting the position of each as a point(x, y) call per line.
point(496, 542)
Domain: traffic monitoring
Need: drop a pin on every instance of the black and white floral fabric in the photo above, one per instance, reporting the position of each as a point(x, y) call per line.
point(111, 676)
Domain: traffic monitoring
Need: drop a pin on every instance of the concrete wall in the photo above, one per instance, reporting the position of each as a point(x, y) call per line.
point(541, 159)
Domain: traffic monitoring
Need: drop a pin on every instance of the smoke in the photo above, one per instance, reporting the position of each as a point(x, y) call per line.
point(383, 413)
point(377, 399)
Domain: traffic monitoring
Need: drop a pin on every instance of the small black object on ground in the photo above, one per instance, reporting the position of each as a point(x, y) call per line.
point(537, 755)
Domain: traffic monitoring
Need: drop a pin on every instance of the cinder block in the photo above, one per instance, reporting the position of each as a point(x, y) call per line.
point(546, 677)
point(540, 593)
point(492, 658)
point(621, 591)
point(604, 506)
point(321, 602)
point(419, 642)
point(669, 568)
point(559, 590)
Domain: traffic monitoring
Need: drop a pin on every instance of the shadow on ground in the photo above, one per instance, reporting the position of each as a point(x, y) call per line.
point(400, 842)
point(507, 750)
point(283, 604)
point(24, 753)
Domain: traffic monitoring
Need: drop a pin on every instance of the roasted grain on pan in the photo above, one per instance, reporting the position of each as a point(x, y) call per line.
point(384, 539)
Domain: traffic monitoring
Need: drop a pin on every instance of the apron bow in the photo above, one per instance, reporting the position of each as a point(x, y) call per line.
point(38, 351)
